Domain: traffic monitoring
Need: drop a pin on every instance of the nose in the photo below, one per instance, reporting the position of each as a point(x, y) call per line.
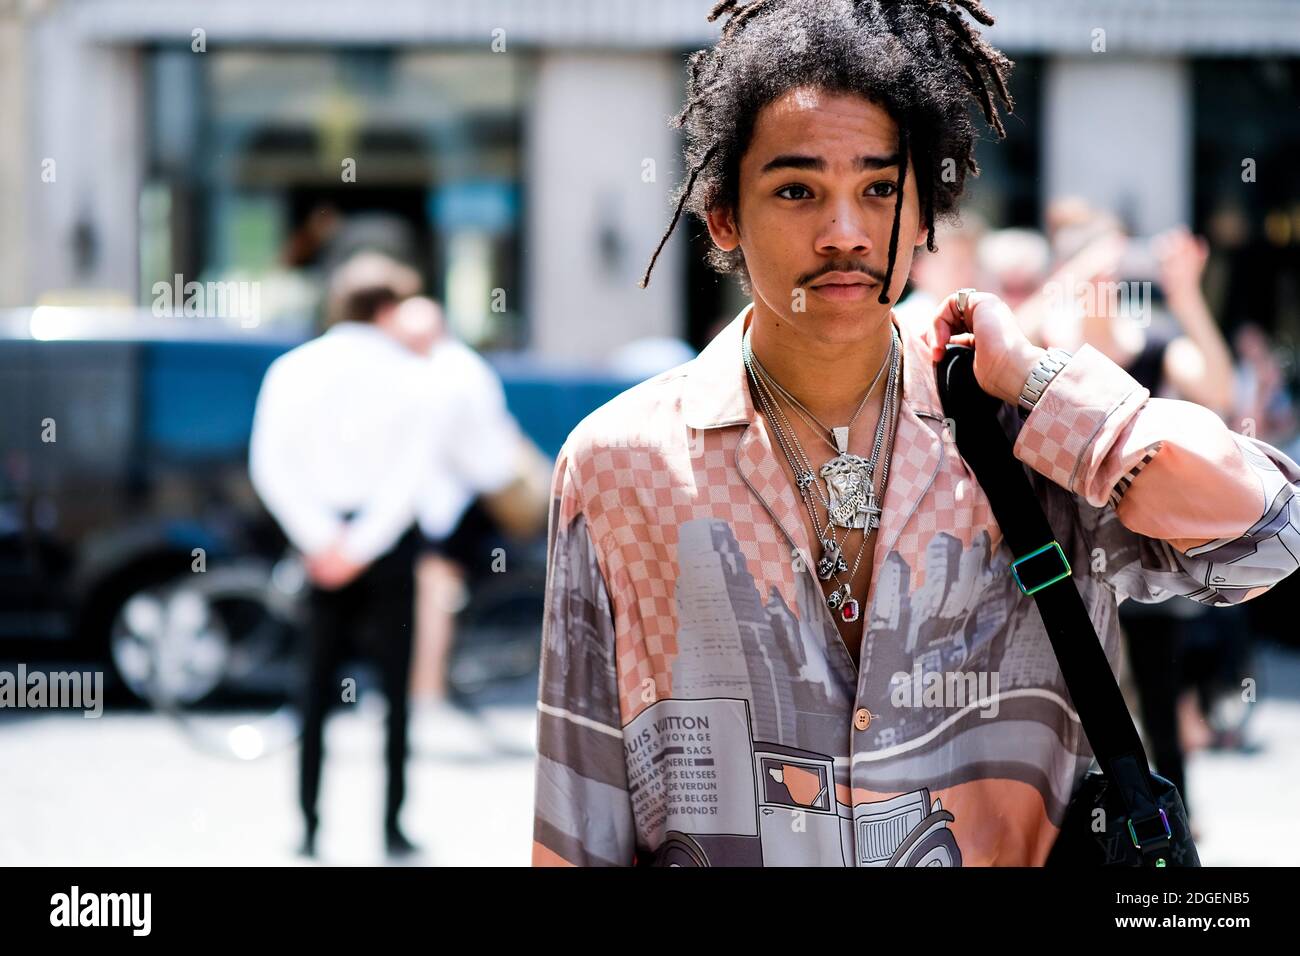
point(845, 232)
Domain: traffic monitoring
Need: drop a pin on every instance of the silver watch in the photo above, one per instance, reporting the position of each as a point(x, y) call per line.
point(1052, 362)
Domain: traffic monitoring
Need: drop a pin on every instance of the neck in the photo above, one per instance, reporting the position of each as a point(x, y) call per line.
point(829, 378)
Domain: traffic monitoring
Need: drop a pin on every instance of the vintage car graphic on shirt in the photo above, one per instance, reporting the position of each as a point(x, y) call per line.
point(790, 667)
point(722, 798)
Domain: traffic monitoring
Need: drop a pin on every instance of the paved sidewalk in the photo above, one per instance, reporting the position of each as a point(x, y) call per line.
point(129, 789)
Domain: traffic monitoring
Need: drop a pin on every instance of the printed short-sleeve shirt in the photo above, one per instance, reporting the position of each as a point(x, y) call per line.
point(696, 703)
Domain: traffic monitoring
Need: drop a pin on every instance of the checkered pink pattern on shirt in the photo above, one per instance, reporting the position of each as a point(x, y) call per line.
point(1056, 436)
point(636, 496)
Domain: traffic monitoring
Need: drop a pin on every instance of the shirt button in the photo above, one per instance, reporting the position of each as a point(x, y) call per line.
point(862, 719)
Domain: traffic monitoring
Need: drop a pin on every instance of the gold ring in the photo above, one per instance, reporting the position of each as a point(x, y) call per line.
point(962, 296)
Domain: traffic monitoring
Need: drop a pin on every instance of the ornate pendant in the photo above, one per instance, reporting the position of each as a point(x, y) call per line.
point(832, 560)
point(851, 496)
point(849, 612)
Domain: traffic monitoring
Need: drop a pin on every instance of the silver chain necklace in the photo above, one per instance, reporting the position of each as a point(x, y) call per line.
point(812, 420)
point(832, 562)
point(850, 501)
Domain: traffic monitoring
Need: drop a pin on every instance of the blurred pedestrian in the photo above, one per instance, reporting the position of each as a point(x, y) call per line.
point(476, 457)
point(1263, 403)
point(342, 435)
point(1097, 295)
point(1013, 264)
point(953, 265)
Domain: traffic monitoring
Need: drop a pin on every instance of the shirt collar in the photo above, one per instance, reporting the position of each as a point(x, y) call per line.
point(717, 393)
point(353, 327)
point(368, 331)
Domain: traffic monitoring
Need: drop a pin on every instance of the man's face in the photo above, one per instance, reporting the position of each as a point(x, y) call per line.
point(817, 191)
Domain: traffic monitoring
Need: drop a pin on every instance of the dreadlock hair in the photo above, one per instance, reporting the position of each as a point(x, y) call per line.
point(920, 60)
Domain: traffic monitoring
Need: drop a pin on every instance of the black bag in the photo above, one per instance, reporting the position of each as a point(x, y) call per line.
point(1122, 815)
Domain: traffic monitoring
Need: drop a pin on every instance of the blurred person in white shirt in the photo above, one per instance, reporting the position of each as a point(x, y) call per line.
point(343, 431)
point(479, 456)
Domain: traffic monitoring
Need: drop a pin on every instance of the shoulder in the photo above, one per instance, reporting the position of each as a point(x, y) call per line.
point(295, 356)
point(289, 370)
point(455, 357)
point(308, 357)
point(645, 410)
point(645, 420)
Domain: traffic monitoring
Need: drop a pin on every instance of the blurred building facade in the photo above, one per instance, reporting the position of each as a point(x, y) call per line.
point(523, 147)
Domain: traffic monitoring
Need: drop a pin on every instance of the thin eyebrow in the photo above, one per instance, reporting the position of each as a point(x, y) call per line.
point(817, 164)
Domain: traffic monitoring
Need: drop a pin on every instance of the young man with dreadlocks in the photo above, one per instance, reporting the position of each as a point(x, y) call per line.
point(761, 560)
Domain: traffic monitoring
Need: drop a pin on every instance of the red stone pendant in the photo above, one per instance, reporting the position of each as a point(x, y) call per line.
point(849, 612)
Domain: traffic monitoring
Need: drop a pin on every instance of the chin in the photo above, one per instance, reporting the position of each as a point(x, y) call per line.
point(835, 319)
point(843, 323)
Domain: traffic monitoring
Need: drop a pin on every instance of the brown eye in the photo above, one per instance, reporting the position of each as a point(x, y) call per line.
point(792, 186)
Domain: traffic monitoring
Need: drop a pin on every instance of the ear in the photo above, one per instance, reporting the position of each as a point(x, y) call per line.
point(722, 228)
point(921, 235)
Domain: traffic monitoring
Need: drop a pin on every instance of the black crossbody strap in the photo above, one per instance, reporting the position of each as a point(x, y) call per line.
point(1092, 687)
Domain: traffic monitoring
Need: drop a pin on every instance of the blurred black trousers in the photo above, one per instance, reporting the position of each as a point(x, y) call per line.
point(1155, 645)
point(374, 614)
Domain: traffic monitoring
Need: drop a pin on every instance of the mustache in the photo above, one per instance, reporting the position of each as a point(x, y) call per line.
point(844, 266)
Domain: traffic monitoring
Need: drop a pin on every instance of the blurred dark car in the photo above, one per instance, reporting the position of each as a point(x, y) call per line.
point(129, 532)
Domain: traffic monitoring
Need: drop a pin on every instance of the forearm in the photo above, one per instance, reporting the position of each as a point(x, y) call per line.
point(1096, 425)
point(1213, 386)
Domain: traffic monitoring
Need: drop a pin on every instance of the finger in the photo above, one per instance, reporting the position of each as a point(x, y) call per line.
point(939, 336)
point(940, 339)
point(946, 322)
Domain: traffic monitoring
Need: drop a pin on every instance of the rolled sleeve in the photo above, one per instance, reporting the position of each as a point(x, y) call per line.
point(1177, 502)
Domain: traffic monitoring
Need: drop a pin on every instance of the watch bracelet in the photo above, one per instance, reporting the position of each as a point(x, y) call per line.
point(1051, 362)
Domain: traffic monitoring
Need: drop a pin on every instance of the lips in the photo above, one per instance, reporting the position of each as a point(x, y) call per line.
point(845, 287)
point(844, 280)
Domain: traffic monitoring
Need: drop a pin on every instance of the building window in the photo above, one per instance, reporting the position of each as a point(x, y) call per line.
point(270, 164)
point(1242, 133)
